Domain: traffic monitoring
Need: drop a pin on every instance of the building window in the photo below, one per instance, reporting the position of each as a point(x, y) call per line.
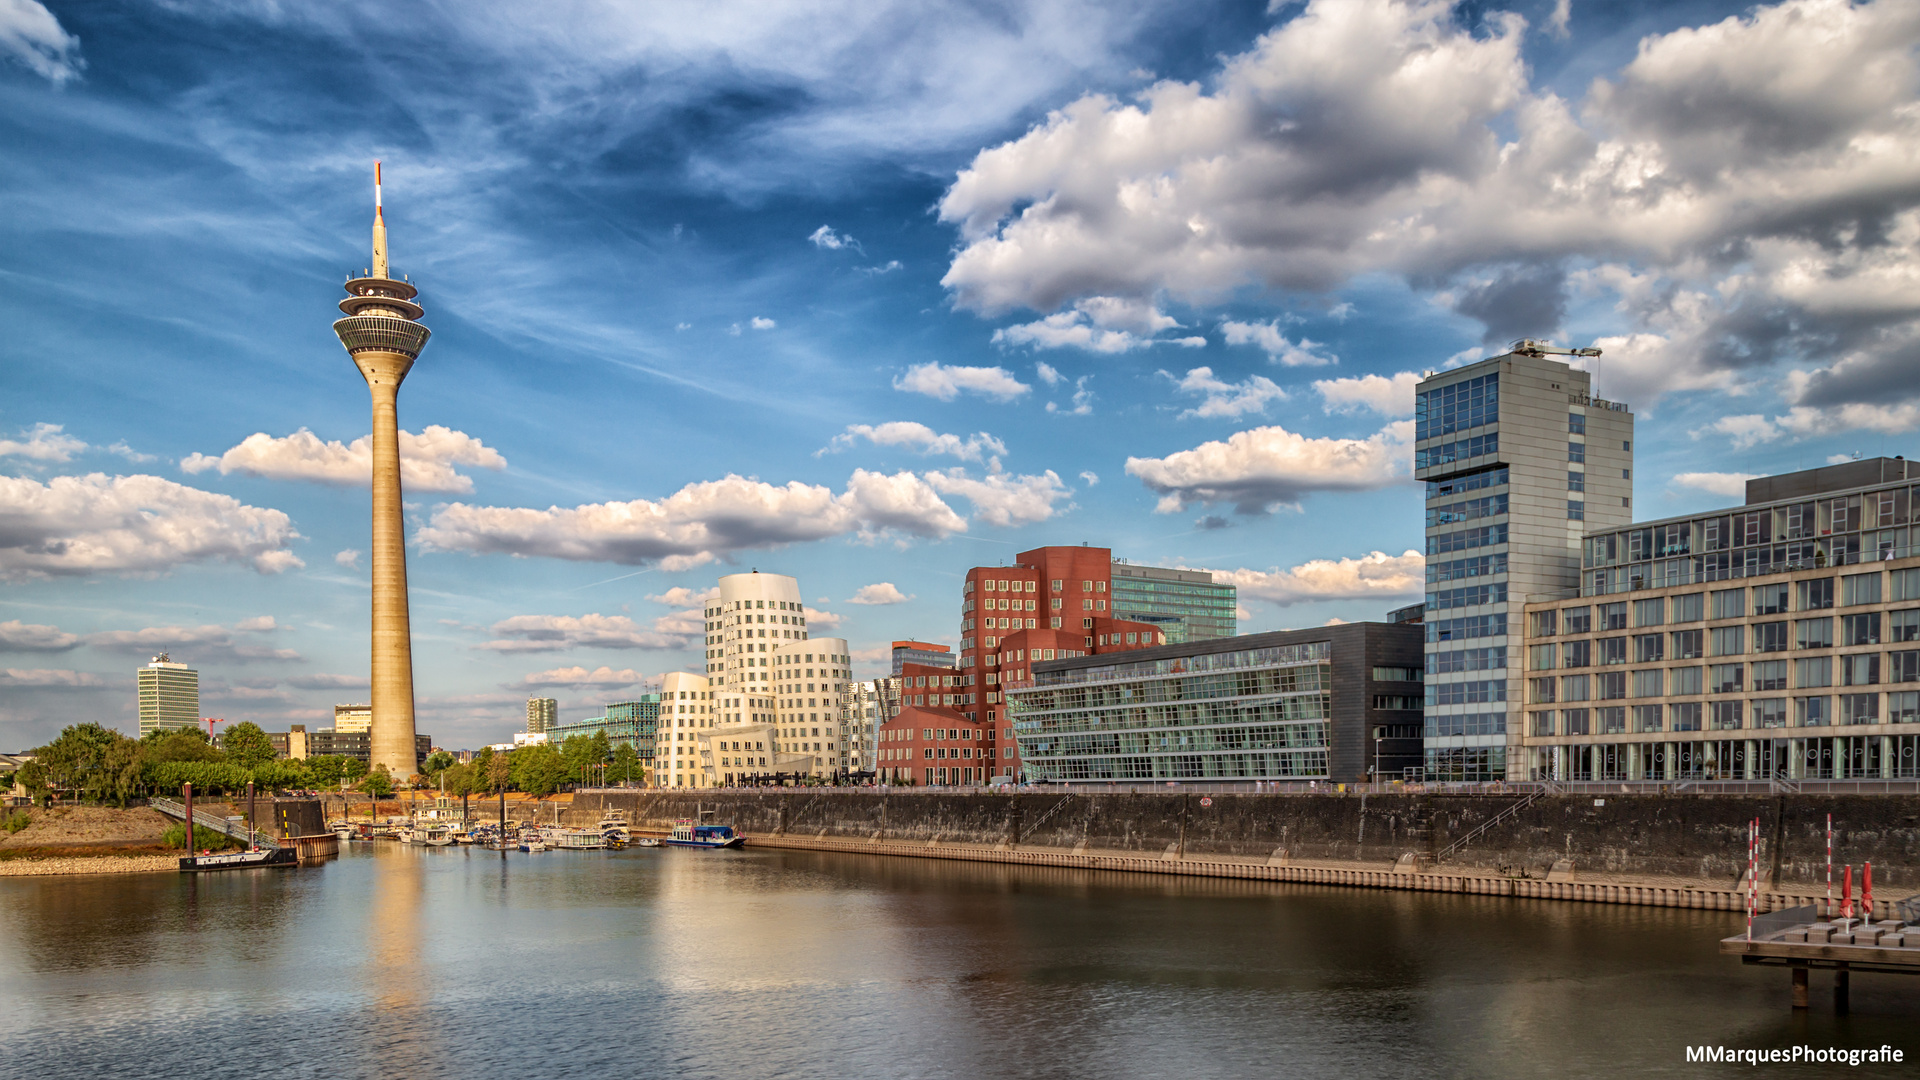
point(1685, 715)
point(1650, 612)
point(1815, 594)
point(1647, 718)
point(1575, 688)
point(1813, 671)
point(1814, 633)
point(1770, 675)
point(1578, 654)
point(1770, 713)
point(1861, 629)
point(1689, 644)
point(1903, 625)
point(1859, 708)
point(1613, 720)
point(1612, 685)
point(1577, 452)
point(1729, 640)
point(1540, 723)
point(1860, 669)
point(1577, 722)
point(1541, 657)
point(1770, 599)
point(1650, 682)
point(1579, 620)
point(1576, 481)
point(1576, 424)
point(1729, 603)
point(1903, 708)
point(1545, 623)
point(1727, 715)
point(1726, 678)
point(1903, 666)
point(1576, 510)
point(1860, 589)
point(1689, 607)
point(1613, 650)
point(1812, 712)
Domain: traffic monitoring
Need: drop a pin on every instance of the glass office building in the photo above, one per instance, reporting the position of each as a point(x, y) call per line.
point(168, 694)
point(635, 723)
point(1331, 703)
point(1779, 639)
point(1519, 461)
point(1186, 605)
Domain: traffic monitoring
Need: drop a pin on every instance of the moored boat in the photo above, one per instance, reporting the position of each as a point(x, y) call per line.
point(687, 834)
point(239, 860)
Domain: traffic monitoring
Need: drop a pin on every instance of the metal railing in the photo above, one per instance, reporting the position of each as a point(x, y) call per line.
point(239, 831)
point(1460, 845)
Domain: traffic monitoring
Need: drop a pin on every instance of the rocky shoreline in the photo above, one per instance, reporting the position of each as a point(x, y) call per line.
point(99, 864)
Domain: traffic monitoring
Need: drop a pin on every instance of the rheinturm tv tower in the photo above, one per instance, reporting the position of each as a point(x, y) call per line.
point(383, 334)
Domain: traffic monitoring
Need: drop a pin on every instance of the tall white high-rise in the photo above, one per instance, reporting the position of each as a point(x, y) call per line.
point(1520, 462)
point(168, 694)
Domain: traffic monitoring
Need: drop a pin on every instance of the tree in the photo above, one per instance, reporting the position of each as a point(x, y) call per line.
point(437, 762)
point(246, 745)
point(326, 771)
point(626, 764)
point(178, 744)
point(499, 771)
point(379, 783)
point(94, 762)
point(538, 770)
point(356, 770)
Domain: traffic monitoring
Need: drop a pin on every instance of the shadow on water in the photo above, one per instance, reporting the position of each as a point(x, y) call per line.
point(474, 964)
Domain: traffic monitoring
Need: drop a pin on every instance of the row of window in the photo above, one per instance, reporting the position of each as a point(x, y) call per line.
point(1467, 539)
point(1852, 669)
point(1459, 569)
point(1867, 628)
point(1844, 710)
point(1800, 521)
point(1808, 594)
point(1469, 403)
point(1462, 450)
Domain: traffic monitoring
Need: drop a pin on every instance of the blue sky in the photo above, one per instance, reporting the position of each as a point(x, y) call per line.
point(870, 293)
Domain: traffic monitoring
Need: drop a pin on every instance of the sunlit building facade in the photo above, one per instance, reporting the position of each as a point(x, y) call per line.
point(168, 694)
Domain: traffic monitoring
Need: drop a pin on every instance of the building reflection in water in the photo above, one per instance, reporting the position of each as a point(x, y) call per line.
point(396, 962)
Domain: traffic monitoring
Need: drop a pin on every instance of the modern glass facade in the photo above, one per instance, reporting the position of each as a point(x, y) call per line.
point(1332, 703)
point(1186, 605)
point(1257, 713)
point(635, 723)
point(1518, 460)
point(1780, 639)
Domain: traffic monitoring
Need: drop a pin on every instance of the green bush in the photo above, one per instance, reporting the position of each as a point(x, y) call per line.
point(204, 839)
point(16, 821)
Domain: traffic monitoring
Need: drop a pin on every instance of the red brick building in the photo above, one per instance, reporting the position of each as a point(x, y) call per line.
point(930, 740)
point(1053, 603)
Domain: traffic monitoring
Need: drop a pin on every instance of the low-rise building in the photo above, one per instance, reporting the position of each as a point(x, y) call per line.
point(930, 741)
point(1340, 703)
point(924, 653)
point(1776, 639)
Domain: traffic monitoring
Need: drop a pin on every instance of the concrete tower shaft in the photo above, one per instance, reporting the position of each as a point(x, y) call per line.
point(382, 334)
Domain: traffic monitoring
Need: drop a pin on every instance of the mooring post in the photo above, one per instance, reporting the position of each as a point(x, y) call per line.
point(1183, 826)
point(1840, 988)
point(1799, 986)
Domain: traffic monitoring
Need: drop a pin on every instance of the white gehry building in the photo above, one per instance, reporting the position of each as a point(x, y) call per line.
point(774, 688)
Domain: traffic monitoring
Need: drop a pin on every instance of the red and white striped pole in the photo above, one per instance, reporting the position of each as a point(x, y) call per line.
point(1829, 866)
point(1753, 835)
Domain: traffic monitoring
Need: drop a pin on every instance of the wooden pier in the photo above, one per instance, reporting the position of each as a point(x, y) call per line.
point(1798, 939)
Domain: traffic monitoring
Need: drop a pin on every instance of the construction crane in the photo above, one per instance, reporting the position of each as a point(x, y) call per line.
point(1530, 347)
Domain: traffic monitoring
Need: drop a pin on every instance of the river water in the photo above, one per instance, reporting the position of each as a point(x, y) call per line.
point(409, 962)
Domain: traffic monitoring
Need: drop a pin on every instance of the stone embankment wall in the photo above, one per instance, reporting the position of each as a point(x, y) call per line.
point(1690, 836)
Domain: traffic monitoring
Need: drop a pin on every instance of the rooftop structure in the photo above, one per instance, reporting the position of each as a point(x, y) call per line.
point(921, 652)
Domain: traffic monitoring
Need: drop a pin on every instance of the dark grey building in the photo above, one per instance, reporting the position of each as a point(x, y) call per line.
point(1338, 703)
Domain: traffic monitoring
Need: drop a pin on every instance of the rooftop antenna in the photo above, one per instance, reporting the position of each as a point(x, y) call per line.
point(379, 269)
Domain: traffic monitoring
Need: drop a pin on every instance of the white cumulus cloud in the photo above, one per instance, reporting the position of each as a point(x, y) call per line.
point(31, 36)
point(427, 460)
point(97, 524)
point(558, 633)
point(1225, 399)
point(1375, 575)
point(1730, 484)
point(682, 597)
point(1279, 349)
point(42, 442)
point(825, 237)
point(50, 679)
point(17, 636)
point(879, 593)
point(1002, 498)
point(576, 677)
point(194, 644)
point(948, 381)
point(1386, 396)
point(1268, 467)
point(919, 437)
point(699, 523)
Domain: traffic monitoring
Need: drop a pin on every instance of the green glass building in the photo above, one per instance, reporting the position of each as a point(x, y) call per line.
point(1187, 605)
point(632, 722)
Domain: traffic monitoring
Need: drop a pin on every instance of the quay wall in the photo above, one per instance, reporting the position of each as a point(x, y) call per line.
point(1695, 836)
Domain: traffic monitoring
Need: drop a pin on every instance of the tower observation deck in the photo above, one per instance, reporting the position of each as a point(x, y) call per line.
point(382, 333)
